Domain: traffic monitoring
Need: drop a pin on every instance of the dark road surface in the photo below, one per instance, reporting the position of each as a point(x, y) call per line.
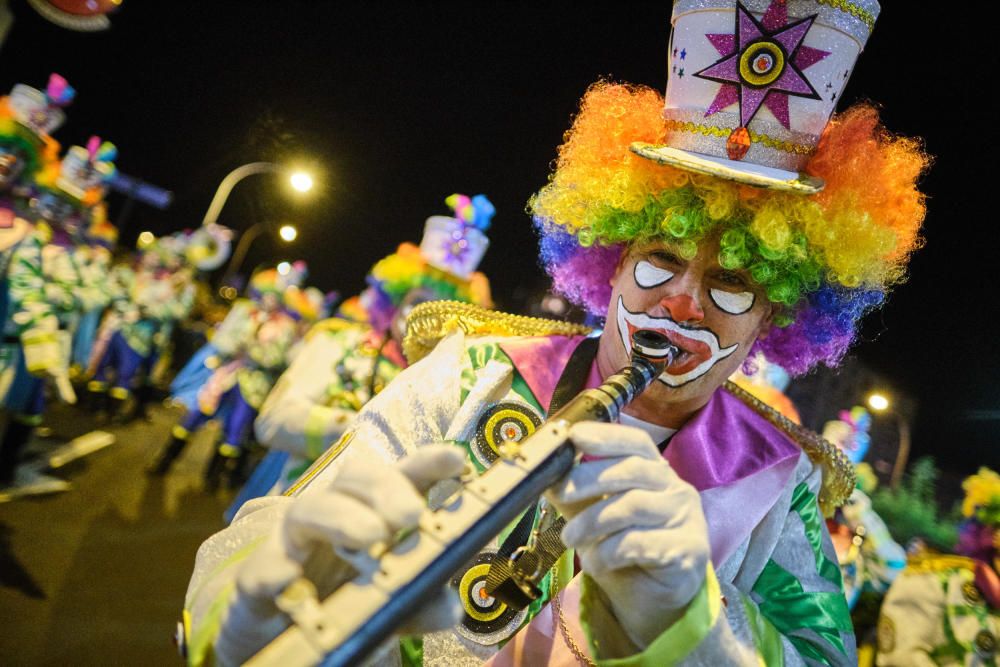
point(97, 575)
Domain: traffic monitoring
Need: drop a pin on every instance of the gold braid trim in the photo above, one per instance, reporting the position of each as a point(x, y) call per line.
point(724, 132)
point(854, 10)
point(429, 322)
point(332, 325)
point(931, 562)
point(838, 472)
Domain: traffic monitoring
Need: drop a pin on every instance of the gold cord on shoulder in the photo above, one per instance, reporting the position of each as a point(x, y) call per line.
point(838, 471)
point(431, 321)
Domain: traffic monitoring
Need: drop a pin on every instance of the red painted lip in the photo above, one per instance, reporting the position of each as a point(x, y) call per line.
point(698, 352)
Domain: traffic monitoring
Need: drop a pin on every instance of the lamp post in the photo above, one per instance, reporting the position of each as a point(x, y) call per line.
point(879, 402)
point(301, 181)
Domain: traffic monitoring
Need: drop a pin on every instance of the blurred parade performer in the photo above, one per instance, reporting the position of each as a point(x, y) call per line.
point(869, 557)
point(251, 350)
point(698, 521)
point(94, 263)
point(767, 381)
point(27, 116)
point(945, 609)
point(45, 285)
point(348, 359)
point(149, 299)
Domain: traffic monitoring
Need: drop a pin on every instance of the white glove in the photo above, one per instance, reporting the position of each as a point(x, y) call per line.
point(638, 528)
point(46, 353)
point(366, 503)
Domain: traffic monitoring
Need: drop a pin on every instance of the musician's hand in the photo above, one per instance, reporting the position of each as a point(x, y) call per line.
point(638, 528)
point(366, 503)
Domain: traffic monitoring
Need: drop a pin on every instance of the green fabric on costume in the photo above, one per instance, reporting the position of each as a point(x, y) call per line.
point(789, 608)
point(676, 642)
point(766, 638)
point(200, 644)
point(411, 650)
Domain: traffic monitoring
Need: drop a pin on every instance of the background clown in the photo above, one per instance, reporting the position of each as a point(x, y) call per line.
point(945, 609)
point(252, 346)
point(348, 359)
point(148, 300)
point(45, 288)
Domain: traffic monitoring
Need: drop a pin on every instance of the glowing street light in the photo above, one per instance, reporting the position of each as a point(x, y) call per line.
point(145, 239)
point(288, 233)
point(284, 268)
point(301, 181)
point(878, 402)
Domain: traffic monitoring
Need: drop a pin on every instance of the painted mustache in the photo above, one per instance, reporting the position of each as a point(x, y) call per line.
point(700, 349)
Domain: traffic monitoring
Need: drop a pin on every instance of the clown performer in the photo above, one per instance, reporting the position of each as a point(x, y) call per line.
point(870, 559)
point(252, 346)
point(27, 116)
point(93, 259)
point(343, 364)
point(945, 609)
point(150, 299)
point(45, 286)
point(716, 216)
point(205, 250)
point(307, 307)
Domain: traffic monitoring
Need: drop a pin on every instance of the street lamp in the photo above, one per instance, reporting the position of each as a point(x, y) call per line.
point(300, 181)
point(879, 403)
point(288, 233)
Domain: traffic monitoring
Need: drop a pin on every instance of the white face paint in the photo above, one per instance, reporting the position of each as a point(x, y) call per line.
point(700, 348)
point(734, 303)
point(648, 276)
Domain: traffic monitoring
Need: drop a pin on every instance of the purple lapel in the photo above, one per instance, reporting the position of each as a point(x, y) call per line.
point(540, 361)
point(736, 459)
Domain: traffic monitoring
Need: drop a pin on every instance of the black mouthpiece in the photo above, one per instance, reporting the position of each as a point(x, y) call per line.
point(652, 345)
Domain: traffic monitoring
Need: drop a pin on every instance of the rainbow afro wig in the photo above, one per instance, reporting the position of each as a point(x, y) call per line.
point(394, 276)
point(823, 260)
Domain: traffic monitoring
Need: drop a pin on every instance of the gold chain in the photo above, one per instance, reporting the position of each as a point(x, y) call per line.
point(854, 10)
point(839, 476)
point(581, 655)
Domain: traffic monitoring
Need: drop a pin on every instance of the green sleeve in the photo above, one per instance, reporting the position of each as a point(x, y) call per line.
point(671, 647)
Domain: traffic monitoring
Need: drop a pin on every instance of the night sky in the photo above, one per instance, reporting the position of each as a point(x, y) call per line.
point(399, 106)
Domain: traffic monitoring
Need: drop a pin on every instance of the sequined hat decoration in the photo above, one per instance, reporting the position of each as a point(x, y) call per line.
point(753, 83)
point(457, 244)
point(41, 111)
point(84, 170)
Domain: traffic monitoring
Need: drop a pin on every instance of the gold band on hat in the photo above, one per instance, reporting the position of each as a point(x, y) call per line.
point(771, 145)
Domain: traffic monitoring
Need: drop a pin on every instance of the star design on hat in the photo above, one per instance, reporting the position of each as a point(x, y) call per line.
point(762, 63)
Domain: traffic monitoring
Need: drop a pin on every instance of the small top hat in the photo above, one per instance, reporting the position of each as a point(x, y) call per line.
point(40, 111)
point(84, 171)
point(753, 83)
point(457, 244)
